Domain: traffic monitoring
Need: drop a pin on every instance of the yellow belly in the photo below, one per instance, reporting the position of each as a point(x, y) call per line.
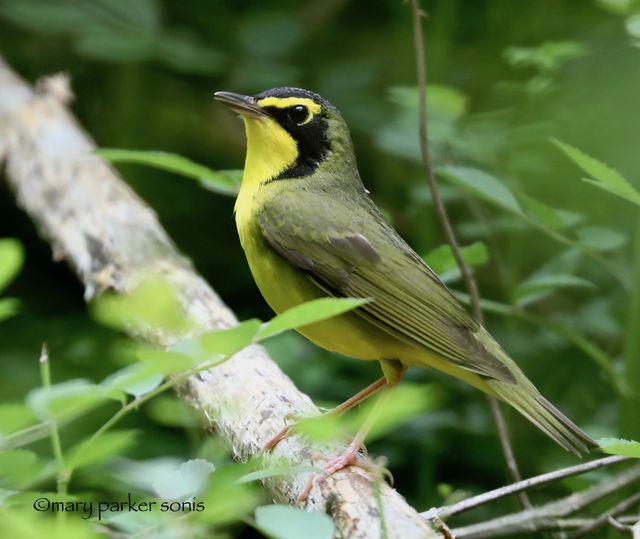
point(283, 287)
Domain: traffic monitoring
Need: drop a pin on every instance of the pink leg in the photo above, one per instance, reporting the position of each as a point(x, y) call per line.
point(349, 456)
point(359, 397)
point(341, 408)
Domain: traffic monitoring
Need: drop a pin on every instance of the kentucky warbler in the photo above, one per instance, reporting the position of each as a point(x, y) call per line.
point(310, 230)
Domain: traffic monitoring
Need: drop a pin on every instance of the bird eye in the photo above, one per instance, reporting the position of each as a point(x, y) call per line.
point(298, 114)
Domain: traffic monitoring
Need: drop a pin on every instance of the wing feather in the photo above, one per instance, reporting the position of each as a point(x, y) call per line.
point(347, 249)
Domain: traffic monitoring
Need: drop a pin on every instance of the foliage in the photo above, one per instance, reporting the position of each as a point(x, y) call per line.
point(283, 522)
point(616, 446)
point(226, 182)
point(58, 404)
point(11, 260)
point(442, 261)
point(95, 26)
point(604, 177)
point(557, 259)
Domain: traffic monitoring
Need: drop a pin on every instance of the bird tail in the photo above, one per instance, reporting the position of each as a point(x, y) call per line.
point(525, 398)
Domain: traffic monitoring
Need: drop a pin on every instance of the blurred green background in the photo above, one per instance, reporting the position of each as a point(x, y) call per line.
point(506, 76)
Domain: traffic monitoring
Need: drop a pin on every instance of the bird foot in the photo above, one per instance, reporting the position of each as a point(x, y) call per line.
point(348, 458)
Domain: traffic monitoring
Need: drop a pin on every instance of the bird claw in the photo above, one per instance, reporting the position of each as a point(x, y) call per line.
point(348, 458)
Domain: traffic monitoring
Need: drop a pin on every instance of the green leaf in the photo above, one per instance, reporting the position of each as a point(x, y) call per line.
point(619, 446)
point(164, 361)
point(115, 45)
point(16, 464)
point(170, 411)
point(441, 258)
point(130, 524)
point(547, 215)
point(285, 522)
point(220, 343)
point(325, 427)
point(547, 57)
point(139, 475)
point(600, 238)
point(4, 494)
point(541, 285)
point(225, 182)
point(406, 401)
point(8, 307)
point(67, 399)
point(602, 176)
point(144, 14)
point(46, 18)
point(96, 450)
point(15, 416)
point(11, 260)
point(619, 7)
point(227, 500)
point(229, 341)
point(23, 522)
point(569, 219)
point(309, 313)
point(185, 482)
point(481, 185)
point(441, 100)
point(137, 379)
point(276, 471)
point(153, 303)
point(632, 25)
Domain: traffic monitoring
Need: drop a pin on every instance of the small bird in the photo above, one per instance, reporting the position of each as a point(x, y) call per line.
point(309, 230)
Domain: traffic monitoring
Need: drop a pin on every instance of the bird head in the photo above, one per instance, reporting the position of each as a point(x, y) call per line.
point(291, 133)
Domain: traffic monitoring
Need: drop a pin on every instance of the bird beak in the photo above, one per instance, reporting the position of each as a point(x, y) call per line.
point(244, 104)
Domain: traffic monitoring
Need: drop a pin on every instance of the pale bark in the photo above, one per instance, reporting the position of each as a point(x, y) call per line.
point(108, 235)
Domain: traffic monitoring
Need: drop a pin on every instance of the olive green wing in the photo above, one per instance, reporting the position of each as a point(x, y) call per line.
point(347, 249)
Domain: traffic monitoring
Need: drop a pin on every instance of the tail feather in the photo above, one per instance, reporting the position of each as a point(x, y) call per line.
point(525, 398)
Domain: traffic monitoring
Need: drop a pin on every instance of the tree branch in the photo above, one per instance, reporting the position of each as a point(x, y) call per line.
point(96, 223)
point(546, 516)
point(467, 275)
point(607, 515)
point(632, 528)
point(526, 484)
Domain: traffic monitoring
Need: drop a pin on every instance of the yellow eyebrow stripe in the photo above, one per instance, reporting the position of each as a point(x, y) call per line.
point(286, 102)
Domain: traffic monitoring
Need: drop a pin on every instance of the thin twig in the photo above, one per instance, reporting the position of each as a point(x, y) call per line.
point(467, 275)
point(537, 481)
point(620, 526)
point(441, 210)
point(546, 516)
point(56, 445)
point(579, 522)
point(604, 517)
point(62, 473)
point(507, 449)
